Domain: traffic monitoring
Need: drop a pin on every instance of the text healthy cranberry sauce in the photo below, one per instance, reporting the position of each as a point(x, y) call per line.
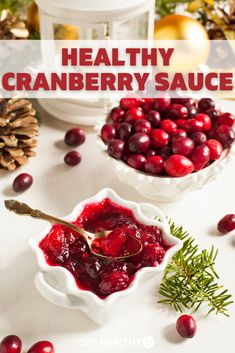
point(66, 248)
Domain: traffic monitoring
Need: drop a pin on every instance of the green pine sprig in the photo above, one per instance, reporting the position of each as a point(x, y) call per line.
point(190, 279)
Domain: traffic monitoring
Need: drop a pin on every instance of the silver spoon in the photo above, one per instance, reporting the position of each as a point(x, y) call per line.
point(23, 209)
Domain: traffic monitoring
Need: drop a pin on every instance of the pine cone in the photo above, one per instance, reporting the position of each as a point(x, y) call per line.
point(18, 128)
point(11, 27)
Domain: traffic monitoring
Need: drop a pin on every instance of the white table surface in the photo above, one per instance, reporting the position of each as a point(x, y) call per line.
point(57, 188)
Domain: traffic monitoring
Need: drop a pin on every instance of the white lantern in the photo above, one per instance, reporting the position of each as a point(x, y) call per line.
point(87, 20)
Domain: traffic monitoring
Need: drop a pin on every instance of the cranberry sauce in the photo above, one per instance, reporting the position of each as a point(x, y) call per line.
point(66, 248)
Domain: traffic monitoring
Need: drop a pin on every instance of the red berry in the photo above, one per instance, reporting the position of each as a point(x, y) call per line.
point(147, 104)
point(186, 326)
point(150, 152)
point(139, 143)
point(178, 166)
point(75, 137)
point(192, 110)
point(161, 104)
point(165, 152)
point(11, 344)
point(117, 115)
point(226, 119)
point(42, 347)
point(133, 115)
point(128, 103)
point(227, 224)
point(193, 125)
point(200, 157)
point(22, 182)
point(212, 113)
point(108, 133)
point(159, 138)
point(178, 133)
point(169, 126)
point(216, 149)
point(176, 111)
point(153, 117)
point(114, 281)
point(199, 138)
point(180, 123)
point(154, 165)
point(112, 244)
point(72, 158)
point(205, 103)
point(125, 131)
point(225, 135)
point(116, 148)
point(136, 161)
point(206, 120)
point(153, 254)
point(183, 146)
point(143, 126)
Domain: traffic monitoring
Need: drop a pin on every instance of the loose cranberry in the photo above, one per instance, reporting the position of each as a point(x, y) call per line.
point(75, 137)
point(226, 119)
point(212, 113)
point(116, 148)
point(147, 104)
point(165, 152)
point(125, 131)
point(199, 138)
point(136, 161)
point(159, 138)
point(161, 104)
point(42, 347)
point(183, 146)
point(117, 115)
point(176, 111)
point(193, 125)
point(128, 103)
point(206, 120)
point(22, 182)
point(133, 115)
point(216, 149)
point(192, 110)
point(154, 165)
point(186, 326)
point(169, 126)
point(114, 281)
point(153, 117)
point(200, 157)
point(184, 101)
point(227, 224)
point(205, 103)
point(178, 166)
point(72, 158)
point(180, 123)
point(153, 254)
point(150, 152)
point(139, 143)
point(108, 133)
point(225, 134)
point(11, 344)
point(143, 126)
point(178, 133)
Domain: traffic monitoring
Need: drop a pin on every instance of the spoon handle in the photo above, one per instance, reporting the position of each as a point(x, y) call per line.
point(23, 209)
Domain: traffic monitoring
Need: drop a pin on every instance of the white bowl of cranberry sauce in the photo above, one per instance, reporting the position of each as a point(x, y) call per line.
point(165, 147)
point(72, 277)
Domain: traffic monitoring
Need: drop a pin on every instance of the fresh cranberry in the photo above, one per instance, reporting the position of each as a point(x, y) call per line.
point(205, 103)
point(169, 126)
point(75, 137)
point(199, 138)
point(227, 224)
point(150, 152)
point(147, 104)
point(108, 133)
point(116, 148)
point(161, 104)
point(153, 254)
point(212, 113)
point(165, 152)
point(192, 110)
point(114, 281)
point(125, 131)
point(133, 115)
point(42, 347)
point(178, 166)
point(128, 103)
point(193, 125)
point(11, 344)
point(143, 126)
point(186, 326)
point(159, 138)
point(216, 149)
point(136, 161)
point(22, 182)
point(176, 111)
point(226, 119)
point(200, 157)
point(225, 134)
point(206, 120)
point(183, 146)
point(117, 115)
point(153, 117)
point(139, 143)
point(72, 158)
point(178, 133)
point(184, 101)
point(154, 165)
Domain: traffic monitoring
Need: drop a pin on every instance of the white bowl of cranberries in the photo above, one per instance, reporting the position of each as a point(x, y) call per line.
point(166, 147)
